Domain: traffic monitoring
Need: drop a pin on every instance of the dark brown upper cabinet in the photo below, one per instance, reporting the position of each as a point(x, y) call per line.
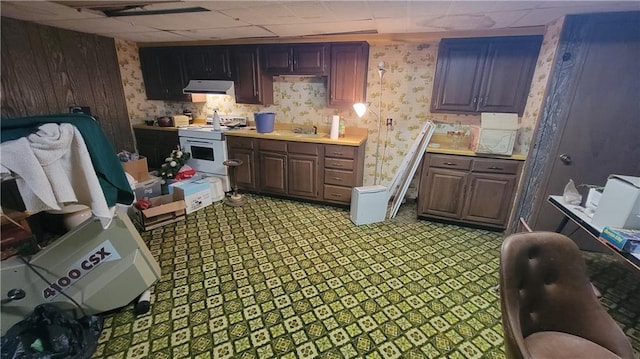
point(163, 73)
point(252, 85)
point(207, 62)
point(484, 74)
point(348, 78)
point(295, 59)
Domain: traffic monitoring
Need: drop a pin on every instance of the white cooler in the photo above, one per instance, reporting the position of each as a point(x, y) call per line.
point(369, 204)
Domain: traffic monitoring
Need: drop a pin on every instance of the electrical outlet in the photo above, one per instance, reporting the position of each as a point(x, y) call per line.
point(389, 122)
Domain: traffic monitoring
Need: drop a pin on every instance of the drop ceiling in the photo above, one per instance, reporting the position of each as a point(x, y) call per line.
point(188, 21)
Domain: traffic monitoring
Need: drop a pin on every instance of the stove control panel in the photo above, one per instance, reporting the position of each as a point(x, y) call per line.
point(231, 121)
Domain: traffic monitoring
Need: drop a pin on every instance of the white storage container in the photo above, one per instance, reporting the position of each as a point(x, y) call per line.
point(619, 206)
point(369, 204)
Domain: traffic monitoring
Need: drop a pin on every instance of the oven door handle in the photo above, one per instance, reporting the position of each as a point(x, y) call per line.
point(196, 141)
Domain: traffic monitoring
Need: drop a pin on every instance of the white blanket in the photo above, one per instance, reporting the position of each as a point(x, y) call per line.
point(54, 169)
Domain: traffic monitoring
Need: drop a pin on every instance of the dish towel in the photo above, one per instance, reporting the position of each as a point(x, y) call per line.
point(55, 169)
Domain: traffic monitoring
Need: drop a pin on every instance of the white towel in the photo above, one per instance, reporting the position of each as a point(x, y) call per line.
point(55, 169)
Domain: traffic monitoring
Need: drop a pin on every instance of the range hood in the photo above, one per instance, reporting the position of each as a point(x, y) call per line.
point(214, 87)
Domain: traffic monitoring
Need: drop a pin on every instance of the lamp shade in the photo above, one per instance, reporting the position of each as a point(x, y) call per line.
point(360, 108)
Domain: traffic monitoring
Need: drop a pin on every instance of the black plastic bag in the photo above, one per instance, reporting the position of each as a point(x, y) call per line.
point(50, 333)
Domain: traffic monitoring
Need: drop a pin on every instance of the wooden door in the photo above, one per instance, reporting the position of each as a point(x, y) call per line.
point(442, 193)
point(245, 174)
point(310, 59)
point(303, 175)
point(458, 75)
point(252, 86)
point(591, 121)
point(277, 59)
point(273, 172)
point(207, 62)
point(507, 74)
point(489, 197)
point(348, 78)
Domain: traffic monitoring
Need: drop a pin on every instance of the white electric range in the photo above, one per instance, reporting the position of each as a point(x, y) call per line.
point(208, 148)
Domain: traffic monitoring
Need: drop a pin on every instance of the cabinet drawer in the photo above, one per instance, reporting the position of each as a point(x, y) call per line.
point(340, 151)
point(303, 148)
point(495, 166)
point(444, 161)
point(273, 145)
point(339, 163)
point(338, 194)
point(240, 142)
point(342, 178)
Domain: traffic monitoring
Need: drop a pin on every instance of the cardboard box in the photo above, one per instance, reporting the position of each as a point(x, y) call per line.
point(626, 240)
point(138, 169)
point(164, 210)
point(196, 194)
point(148, 189)
point(619, 206)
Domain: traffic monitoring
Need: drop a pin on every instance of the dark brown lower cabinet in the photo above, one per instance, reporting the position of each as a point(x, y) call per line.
point(304, 168)
point(242, 148)
point(298, 169)
point(478, 191)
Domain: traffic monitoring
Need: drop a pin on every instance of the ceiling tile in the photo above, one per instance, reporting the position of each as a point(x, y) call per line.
point(153, 36)
point(186, 21)
point(227, 33)
point(269, 14)
point(94, 26)
point(42, 10)
point(324, 28)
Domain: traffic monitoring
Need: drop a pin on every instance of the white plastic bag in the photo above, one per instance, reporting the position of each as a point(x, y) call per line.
point(571, 195)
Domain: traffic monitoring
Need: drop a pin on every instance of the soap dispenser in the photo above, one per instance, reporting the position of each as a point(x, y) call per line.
point(216, 120)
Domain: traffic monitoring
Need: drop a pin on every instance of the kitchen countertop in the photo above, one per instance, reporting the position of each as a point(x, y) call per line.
point(460, 152)
point(353, 136)
point(145, 127)
point(446, 146)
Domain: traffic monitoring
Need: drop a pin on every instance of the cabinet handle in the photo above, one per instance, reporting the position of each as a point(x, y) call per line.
point(496, 168)
point(337, 178)
point(338, 153)
point(480, 99)
point(336, 165)
point(450, 164)
point(474, 101)
point(484, 100)
point(336, 195)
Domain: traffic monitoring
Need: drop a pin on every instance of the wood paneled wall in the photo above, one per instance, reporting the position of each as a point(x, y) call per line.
point(45, 70)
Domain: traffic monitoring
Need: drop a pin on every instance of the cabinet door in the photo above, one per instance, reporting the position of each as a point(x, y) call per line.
point(458, 75)
point(245, 175)
point(252, 86)
point(277, 59)
point(489, 198)
point(207, 63)
point(156, 145)
point(507, 74)
point(303, 175)
point(310, 59)
point(243, 149)
point(442, 193)
point(163, 73)
point(348, 77)
point(273, 172)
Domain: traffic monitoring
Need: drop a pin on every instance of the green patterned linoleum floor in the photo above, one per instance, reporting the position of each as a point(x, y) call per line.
point(283, 279)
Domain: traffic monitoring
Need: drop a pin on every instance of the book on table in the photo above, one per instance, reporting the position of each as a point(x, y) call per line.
point(625, 240)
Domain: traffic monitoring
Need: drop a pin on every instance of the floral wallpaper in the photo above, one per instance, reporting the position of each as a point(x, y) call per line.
point(402, 94)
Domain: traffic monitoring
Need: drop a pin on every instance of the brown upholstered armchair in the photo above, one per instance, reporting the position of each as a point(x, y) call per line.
point(548, 307)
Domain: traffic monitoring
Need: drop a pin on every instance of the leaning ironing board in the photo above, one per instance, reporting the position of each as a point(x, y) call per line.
point(99, 268)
